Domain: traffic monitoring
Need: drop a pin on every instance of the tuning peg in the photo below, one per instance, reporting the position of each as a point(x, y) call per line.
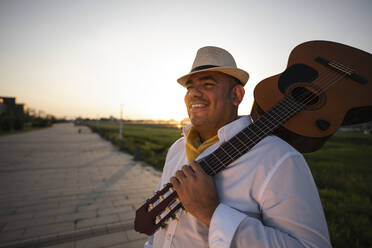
point(178, 200)
point(168, 209)
point(151, 206)
point(161, 198)
point(157, 218)
point(171, 190)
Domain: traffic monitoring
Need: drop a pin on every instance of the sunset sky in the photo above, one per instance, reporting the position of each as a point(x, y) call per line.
point(75, 58)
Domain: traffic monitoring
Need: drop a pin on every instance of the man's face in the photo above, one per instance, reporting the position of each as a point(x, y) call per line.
point(211, 100)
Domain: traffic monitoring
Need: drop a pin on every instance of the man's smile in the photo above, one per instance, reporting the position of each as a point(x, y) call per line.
point(195, 107)
point(198, 105)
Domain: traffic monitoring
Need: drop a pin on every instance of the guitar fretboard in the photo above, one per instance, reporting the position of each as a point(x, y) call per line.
point(242, 142)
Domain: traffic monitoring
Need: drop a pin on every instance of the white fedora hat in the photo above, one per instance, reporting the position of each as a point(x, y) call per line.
point(211, 58)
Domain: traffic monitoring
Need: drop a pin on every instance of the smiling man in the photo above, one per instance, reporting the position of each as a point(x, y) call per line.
point(266, 198)
point(212, 101)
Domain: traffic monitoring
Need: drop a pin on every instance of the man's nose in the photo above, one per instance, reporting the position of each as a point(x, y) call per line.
point(195, 92)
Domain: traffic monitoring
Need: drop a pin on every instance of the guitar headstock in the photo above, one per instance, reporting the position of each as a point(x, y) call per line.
point(154, 213)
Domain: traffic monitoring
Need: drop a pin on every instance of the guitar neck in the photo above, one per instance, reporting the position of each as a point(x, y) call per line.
point(242, 142)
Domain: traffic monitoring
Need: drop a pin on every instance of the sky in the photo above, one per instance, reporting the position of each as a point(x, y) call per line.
point(84, 58)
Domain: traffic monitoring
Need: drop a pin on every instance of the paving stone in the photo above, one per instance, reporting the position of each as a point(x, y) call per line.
point(75, 217)
point(48, 229)
point(133, 235)
point(106, 211)
point(15, 217)
point(133, 244)
point(65, 245)
point(54, 212)
point(13, 235)
point(102, 241)
point(108, 219)
point(29, 223)
point(128, 215)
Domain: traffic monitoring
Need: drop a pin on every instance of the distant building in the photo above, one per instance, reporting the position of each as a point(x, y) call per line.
point(8, 105)
point(11, 114)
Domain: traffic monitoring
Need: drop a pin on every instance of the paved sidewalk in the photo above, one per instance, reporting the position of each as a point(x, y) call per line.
point(59, 188)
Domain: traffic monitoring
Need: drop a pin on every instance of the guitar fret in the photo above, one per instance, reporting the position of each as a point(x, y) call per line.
point(241, 142)
point(236, 149)
point(210, 167)
point(214, 155)
point(248, 137)
point(226, 151)
point(204, 166)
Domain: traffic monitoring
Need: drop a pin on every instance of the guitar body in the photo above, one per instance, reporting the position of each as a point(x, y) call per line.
point(338, 80)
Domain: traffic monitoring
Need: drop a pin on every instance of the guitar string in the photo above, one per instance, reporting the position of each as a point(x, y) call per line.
point(280, 107)
point(217, 166)
point(294, 108)
point(259, 138)
point(321, 79)
point(289, 112)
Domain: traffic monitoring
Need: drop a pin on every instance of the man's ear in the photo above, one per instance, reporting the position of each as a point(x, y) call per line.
point(237, 94)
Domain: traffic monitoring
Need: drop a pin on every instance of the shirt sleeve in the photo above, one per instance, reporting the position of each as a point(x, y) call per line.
point(291, 213)
point(149, 241)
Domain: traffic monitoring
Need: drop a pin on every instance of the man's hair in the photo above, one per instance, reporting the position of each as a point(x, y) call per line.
point(237, 81)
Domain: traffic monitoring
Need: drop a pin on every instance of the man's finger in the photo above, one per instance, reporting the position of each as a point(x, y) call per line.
point(196, 167)
point(188, 171)
point(180, 175)
point(174, 181)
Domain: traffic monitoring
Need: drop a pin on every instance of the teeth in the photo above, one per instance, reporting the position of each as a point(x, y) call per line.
point(197, 105)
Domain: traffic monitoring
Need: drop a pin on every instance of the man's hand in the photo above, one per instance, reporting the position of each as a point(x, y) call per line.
point(197, 191)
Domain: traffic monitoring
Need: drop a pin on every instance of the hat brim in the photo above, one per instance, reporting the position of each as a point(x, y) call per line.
point(237, 73)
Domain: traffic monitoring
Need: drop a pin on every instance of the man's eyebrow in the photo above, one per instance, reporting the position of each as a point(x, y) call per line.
point(205, 78)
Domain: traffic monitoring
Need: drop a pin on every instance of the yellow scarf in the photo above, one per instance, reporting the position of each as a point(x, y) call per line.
point(193, 145)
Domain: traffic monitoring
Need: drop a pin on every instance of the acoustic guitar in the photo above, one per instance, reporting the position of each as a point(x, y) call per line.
point(324, 86)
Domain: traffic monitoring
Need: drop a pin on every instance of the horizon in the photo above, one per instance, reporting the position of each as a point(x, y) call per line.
point(87, 58)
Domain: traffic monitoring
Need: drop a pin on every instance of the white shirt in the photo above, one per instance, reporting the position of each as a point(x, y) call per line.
point(268, 198)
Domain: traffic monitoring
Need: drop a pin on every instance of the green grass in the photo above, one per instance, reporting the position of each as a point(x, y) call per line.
point(342, 171)
point(153, 140)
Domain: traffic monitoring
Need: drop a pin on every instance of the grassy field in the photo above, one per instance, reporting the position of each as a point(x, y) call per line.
point(153, 140)
point(342, 171)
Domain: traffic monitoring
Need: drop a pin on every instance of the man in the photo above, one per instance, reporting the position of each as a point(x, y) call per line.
point(266, 198)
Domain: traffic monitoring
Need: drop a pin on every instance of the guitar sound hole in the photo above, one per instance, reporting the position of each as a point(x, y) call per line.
point(303, 95)
point(308, 95)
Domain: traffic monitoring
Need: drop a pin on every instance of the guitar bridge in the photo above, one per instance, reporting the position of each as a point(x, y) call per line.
point(341, 68)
